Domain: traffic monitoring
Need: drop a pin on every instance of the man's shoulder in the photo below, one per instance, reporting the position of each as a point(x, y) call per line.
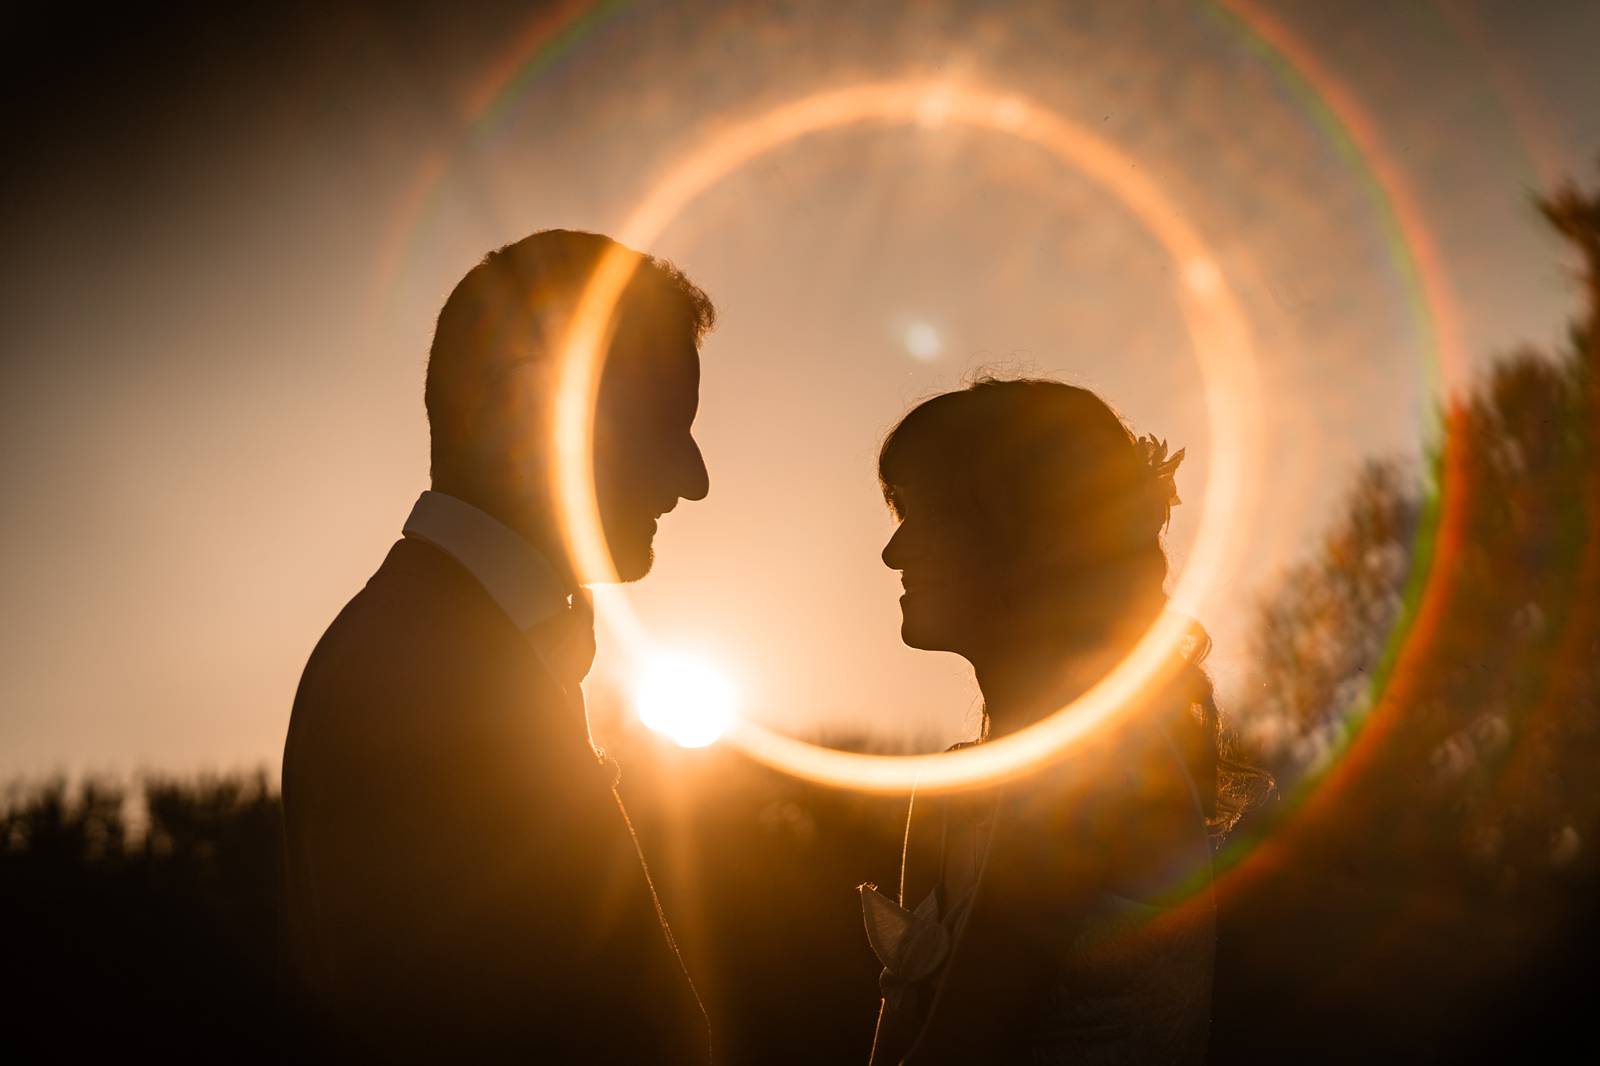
point(420, 633)
point(419, 603)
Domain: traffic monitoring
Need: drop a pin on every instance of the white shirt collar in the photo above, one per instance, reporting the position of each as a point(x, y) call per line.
point(513, 572)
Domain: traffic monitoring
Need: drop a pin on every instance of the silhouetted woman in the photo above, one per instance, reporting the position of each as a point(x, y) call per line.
point(1065, 916)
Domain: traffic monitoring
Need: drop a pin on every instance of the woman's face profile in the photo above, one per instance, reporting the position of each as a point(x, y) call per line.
point(945, 567)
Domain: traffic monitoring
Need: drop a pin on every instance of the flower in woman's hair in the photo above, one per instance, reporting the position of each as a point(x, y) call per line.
point(1162, 468)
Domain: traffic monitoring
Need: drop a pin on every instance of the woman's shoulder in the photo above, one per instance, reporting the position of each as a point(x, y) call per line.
point(1149, 766)
point(1126, 819)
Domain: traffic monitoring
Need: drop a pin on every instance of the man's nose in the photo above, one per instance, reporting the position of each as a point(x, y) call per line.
point(695, 479)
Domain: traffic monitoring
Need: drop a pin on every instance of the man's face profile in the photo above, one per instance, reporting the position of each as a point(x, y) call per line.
point(493, 373)
point(646, 458)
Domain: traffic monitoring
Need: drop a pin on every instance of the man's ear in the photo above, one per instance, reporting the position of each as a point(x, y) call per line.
point(518, 398)
point(511, 425)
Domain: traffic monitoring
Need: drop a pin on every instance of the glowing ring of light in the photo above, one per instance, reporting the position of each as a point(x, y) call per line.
point(1218, 332)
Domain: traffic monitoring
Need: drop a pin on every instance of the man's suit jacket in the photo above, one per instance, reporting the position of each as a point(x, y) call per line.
point(463, 883)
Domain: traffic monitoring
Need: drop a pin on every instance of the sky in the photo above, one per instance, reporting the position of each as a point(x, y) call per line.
point(228, 235)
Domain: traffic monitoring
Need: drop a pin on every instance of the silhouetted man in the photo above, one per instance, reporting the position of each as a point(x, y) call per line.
point(464, 883)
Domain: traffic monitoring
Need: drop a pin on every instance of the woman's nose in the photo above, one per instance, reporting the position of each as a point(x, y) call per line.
point(893, 550)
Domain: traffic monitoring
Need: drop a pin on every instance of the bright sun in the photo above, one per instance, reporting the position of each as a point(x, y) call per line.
point(685, 699)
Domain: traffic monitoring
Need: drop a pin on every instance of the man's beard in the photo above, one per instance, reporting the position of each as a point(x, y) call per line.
point(633, 559)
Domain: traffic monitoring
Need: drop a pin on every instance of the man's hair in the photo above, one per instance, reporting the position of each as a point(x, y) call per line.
point(511, 308)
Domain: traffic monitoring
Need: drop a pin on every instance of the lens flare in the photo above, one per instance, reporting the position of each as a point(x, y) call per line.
point(922, 340)
point(1222, 345)
point(685, 699)
point(1441, 533)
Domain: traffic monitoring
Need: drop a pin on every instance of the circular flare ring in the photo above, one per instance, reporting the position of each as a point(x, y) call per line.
point(1218, 331)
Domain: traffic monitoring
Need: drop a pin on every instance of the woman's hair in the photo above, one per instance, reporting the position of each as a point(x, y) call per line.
point(1060, 483)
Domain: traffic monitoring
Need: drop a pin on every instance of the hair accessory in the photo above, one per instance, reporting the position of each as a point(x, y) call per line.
point(1162, 469)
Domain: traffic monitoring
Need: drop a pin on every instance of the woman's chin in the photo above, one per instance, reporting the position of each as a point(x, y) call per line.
point(916, 633)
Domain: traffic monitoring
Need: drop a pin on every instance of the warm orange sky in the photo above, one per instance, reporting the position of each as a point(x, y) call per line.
point(222, 281)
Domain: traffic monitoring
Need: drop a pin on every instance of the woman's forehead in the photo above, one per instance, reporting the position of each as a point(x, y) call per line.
point(929, 492)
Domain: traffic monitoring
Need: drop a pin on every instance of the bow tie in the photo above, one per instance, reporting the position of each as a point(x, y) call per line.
point(566, 640)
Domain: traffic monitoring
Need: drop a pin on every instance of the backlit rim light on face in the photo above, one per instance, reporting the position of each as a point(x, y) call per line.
point(1218, 330)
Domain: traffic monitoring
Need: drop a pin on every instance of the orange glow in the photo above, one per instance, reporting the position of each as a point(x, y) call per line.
point(1221, 340)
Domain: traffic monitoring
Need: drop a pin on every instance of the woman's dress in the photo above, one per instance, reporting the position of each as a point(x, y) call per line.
point(1065, 917)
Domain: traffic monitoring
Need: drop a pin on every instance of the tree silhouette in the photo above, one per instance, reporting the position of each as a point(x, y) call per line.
point(1440, 827)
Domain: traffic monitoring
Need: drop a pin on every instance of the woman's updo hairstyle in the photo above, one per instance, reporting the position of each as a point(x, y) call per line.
point(1054, 475)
